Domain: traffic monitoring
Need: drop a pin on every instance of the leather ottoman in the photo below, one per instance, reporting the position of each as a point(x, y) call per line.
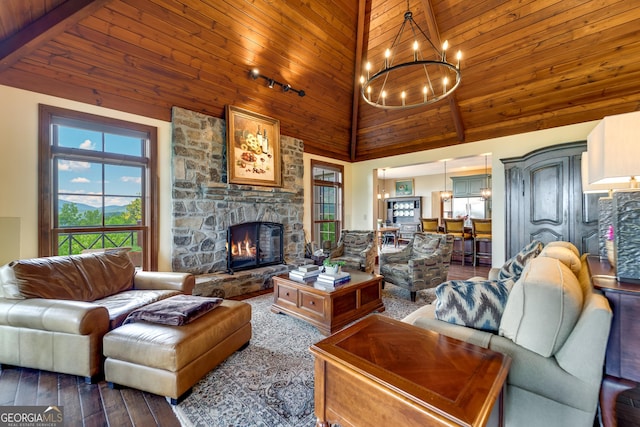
point(169, 360)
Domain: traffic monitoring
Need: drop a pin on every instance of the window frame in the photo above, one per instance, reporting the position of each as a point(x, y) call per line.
point(47, 244)
point(339, 187)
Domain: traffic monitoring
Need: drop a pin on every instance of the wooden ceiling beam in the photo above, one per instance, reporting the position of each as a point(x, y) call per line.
point(432, 27)
point(44, 29)
point(356, 82)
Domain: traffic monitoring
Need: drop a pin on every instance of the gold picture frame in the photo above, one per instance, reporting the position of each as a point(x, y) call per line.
point(253, 148)
point(404, 187)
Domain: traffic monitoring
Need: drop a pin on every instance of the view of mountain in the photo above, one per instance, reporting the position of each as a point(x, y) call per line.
point(82, 208)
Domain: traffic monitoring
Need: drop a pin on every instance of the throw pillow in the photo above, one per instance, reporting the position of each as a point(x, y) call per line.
point(514, 265)
point(9, 288)
point(476, 304)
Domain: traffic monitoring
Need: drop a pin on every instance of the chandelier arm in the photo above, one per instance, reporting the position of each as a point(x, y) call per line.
point(428, 39)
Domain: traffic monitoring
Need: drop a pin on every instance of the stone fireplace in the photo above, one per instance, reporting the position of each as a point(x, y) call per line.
point(253, 245)
point(204, 206)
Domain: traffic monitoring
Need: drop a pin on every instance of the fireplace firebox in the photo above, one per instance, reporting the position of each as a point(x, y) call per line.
point(254, 244)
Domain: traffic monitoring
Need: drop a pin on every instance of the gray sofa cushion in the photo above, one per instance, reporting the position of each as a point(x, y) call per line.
point(474, 303)
point(543, 306)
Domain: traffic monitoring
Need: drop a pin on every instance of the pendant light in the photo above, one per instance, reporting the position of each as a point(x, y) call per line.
point(445, 195)
point(486, 191)
point(384, 193)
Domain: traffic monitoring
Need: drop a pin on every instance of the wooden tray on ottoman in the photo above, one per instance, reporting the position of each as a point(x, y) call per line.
point(332, 310)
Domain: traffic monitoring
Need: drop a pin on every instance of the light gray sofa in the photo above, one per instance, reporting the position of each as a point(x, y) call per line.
point(554, 326)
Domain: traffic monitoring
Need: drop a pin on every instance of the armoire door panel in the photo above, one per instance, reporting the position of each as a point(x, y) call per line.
point(546, 194)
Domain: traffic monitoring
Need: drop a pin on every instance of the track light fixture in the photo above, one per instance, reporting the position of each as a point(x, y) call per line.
point(255, 74)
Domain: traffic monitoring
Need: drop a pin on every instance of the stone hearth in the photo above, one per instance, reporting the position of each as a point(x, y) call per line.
point(204, 205)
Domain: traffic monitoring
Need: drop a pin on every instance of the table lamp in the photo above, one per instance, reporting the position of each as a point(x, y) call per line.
point(614, 159)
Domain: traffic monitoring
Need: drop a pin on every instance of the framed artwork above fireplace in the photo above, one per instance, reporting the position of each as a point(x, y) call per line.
point(253, 148)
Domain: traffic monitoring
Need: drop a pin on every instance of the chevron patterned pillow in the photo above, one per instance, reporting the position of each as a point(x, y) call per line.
point(514, 265)
point(476, 304)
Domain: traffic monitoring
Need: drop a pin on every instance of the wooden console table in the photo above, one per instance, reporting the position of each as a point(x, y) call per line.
point(381, 371)
point(622, 363)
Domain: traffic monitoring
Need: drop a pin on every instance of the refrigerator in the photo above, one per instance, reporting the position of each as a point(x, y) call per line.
point(469, 207)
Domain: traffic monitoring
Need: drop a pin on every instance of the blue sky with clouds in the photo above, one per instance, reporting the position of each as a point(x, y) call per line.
point(82, 181)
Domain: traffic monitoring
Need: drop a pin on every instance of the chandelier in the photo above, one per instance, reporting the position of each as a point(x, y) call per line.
point(424, 78)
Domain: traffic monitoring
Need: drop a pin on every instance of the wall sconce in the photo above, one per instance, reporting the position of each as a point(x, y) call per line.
point(255, 74)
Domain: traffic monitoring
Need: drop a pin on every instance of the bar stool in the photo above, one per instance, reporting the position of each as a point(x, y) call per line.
point(455, 227)
point(481, 232)
point(430, 225)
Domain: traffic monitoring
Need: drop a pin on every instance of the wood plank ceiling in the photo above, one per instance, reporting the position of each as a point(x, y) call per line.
point(527, 64)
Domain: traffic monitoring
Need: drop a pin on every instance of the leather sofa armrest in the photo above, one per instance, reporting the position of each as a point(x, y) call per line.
point(72, 317)
point(152, 280)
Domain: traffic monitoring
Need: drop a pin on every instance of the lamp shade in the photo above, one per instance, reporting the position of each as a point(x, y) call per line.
point(597, 188)
point(614, 149)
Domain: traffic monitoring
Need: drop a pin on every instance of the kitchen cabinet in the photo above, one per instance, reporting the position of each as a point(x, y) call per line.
point(470, 186)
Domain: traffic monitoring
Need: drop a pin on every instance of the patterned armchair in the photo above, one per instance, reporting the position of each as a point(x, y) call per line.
point(422, 264)
point(358, 249)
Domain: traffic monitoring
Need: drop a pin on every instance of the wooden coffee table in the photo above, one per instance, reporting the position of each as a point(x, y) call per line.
point(328, 311)
point(381, 371)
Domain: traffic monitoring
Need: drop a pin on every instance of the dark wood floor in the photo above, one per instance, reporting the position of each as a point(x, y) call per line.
point(98, 405)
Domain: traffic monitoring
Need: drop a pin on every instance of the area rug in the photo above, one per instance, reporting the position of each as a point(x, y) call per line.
point(270, 383)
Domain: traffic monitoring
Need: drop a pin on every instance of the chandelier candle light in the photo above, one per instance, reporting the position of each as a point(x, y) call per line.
point(426, 77)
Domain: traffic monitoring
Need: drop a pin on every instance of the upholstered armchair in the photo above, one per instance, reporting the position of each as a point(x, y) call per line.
point(358, 249)
point(422, 264)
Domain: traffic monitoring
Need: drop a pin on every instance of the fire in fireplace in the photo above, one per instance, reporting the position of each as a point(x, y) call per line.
point(254, 244)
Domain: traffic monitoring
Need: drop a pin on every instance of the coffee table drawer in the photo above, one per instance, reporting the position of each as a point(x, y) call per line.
point(312, 302)
point(288, 294)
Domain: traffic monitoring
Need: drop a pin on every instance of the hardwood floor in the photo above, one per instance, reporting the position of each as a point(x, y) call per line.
point(91, 405)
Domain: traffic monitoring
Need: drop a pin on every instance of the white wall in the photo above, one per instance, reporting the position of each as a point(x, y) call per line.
point(19, 170)
point(500, 148)
point(19, 166)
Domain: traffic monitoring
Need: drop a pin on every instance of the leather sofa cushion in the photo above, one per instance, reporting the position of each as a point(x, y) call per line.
point(543, 306)
point(84, 277)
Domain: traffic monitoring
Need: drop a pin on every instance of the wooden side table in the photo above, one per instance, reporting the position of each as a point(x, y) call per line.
point(381, 371)
point(622, 362)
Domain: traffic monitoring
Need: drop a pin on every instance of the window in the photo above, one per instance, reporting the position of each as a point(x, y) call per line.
point(326, 212)
point(97, 185)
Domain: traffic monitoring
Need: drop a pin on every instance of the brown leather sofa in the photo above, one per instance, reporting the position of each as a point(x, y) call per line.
point(55, 311)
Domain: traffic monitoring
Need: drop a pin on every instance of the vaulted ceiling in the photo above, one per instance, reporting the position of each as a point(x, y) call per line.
point(527, 64)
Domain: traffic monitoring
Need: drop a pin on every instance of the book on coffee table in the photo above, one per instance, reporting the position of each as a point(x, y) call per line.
point(334, 279)
point(305, 276)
